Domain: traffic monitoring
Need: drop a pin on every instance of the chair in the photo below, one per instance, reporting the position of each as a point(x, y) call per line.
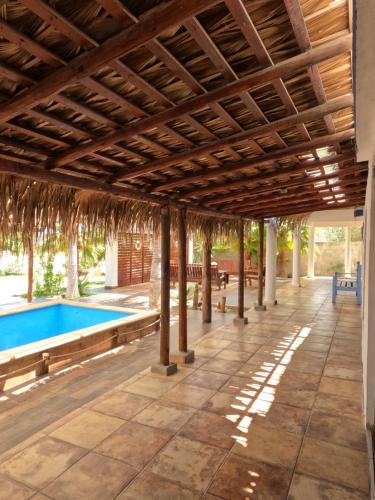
point(348, 282)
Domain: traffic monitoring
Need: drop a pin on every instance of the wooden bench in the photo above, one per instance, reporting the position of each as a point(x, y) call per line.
point(194, 274)
point(252, 273)
point(348, 282)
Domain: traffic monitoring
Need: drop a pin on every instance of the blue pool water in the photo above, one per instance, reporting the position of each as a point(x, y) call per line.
point(39, 324)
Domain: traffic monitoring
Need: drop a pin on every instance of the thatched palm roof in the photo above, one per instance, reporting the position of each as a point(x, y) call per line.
point(230, 106)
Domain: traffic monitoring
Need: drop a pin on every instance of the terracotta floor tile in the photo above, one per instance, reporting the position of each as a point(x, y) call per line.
point(339, 405)
point(231, 355)
point(210, 428)
point(254, 373)
point(334, 463)
point(206, 352)
point(242, 386)
point(214, 343)
point(164, 415)
point(339, 387)
point(87, 429)
point(222, 366)
point(191, 464)
point(94, 477)
point(150, 486)
point(241, 478)
point(337, 429)
point(314, 346)
point(151, 387)
point(307, 488)
point(285, 377)
point(227, 404)
point(313, 366)
point(284, 395)
point(206, 379)
point(134, 444)
point(346, 372)
point(279, 416)
point(42, 462)
point(266, 444)
point(13, 490)
point(246, 347)
point(122, 404)
point(189, 395)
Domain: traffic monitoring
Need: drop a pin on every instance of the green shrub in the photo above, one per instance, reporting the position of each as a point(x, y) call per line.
point(51, 283)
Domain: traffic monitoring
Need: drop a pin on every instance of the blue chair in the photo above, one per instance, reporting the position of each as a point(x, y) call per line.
point(348, 282)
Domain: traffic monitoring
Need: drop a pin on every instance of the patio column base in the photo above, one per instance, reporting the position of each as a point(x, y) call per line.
point(182, 357)
point(240, 321)
point(257, 307)
point(164, 369)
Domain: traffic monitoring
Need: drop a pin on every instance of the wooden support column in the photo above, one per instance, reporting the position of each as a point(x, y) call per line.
point(206, 278)
point(165, 367)
point(30, 268)
point(241, 320)
point(183, 355)
point(260, 306)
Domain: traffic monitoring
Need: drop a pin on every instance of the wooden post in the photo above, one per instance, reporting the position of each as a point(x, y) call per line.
point(241, 276)
point(206, 278)
point(182, 261)
point(183, 356)
point(30, 268)
point(260, 306)
point(165, 367)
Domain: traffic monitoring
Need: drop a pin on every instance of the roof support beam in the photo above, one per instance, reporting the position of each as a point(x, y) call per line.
point(213, 173)
point(254, 80)
point(343, 172)
point(159, 19)
point(282, 124)
point(306, 208)
point(245, 184)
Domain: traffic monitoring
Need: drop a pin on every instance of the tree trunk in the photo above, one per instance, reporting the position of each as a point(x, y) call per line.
point(72, 290)
point(282, 264)
point(155, 276)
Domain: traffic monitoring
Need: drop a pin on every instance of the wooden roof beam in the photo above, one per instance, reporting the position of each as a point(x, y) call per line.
point(257, 132)
point(244, 21)
point(254, 80)
point(339, 173)
point(295, 196)
point(247, 163)
point(159, 19)
point(244, 184)
point(306, 208)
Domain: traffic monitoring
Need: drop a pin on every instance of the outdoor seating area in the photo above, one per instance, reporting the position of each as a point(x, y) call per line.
point(194, 273)
point(187, 195)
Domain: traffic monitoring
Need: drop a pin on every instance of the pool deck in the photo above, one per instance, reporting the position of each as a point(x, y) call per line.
point(271, 411)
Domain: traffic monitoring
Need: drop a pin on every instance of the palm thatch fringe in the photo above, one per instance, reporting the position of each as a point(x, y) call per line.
point(29, 207)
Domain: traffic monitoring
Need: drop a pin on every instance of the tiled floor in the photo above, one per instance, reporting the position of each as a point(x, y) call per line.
point(271, 411)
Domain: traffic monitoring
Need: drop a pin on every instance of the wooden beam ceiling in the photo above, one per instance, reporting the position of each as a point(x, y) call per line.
point(254, 80)
point(160, 146)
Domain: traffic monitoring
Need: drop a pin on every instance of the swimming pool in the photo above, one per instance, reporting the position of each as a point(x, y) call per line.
point(25, 327)
point(63, 331)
